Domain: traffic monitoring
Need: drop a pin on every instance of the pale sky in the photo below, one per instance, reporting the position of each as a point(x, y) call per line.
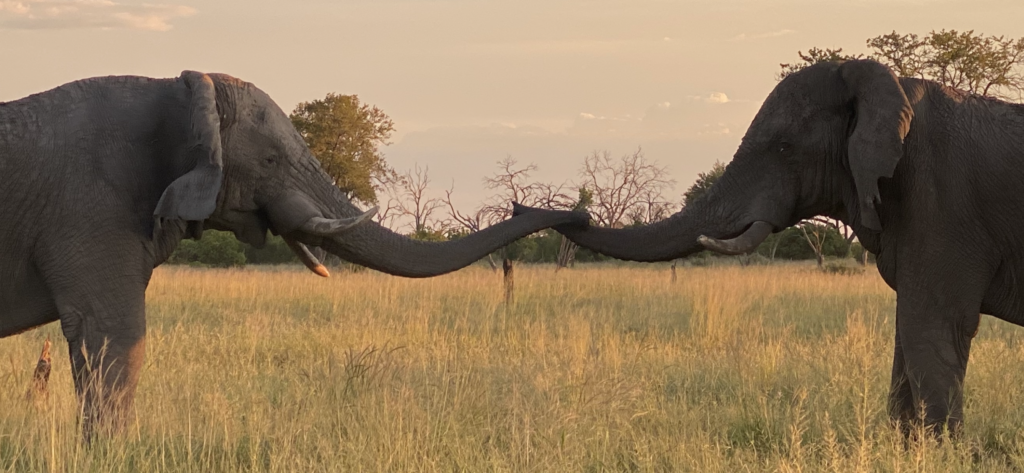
point(468, 82)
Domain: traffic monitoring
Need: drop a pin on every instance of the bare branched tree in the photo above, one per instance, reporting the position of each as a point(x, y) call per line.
point(815, 231)
point(415, 203)
point(845, 230)
point(815, 234)
point(626, 190)
point(467, 222)
point(511, 183)
point(389, 198)
point(404, 202)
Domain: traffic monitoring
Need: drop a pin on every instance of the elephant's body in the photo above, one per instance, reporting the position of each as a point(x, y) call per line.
point(69, 195)
point(100, 179)
point(955, 204)
point(930, 179)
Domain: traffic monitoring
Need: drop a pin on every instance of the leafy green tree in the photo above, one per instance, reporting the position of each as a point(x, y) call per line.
point(814, 56)
point(584, 199)
point(985, 65)
point(704, 182)
point(902, 52)
point(346, 136)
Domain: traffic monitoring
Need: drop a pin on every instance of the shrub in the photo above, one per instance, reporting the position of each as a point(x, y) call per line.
point(855, 251)
point(841, 268)
point(701, 259)
point(215, 248)
point(276, 251)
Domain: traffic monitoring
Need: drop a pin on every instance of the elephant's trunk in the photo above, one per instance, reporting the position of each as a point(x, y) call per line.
point(689, 231)
point(376, 247)
point(300, 217)
point(666, 240)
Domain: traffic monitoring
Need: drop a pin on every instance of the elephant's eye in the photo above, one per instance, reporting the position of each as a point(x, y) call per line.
point(269, 160)
point(784, 148)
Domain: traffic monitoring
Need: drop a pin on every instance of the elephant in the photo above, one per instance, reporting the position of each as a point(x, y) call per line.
point(928, 177)
point(101, 178)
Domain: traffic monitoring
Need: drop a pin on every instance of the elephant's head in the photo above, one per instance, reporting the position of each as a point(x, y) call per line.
point(250, 172)
point(818, 146)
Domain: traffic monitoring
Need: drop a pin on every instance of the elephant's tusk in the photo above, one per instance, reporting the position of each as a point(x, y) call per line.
point(331, 227)
point(744, 243)
point(307, 258)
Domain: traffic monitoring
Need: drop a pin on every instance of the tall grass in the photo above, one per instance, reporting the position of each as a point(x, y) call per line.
point(777, 368)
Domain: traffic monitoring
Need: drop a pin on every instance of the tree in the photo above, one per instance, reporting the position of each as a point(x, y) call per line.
point(346, 136)
point(791, 244)
point(704, 182)
point(461, 223)
point(625, 191)
point(814, 56)
point(985, 65)
point(815, 235)
point(901, 52)
point(511, 183)
point(415, 204)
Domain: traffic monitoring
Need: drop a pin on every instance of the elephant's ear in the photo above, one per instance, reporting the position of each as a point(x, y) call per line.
point(883, 116)
point(193, 196)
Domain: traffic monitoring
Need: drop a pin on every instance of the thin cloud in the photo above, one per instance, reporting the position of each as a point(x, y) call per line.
point(770, 34)
point(713, 97)
point(89, 14)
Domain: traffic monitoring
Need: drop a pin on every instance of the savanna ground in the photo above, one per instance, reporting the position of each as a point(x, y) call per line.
point(778, 368)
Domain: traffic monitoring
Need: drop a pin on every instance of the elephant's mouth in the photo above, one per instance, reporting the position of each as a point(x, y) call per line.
point(249, 227)
point(324, 228)
point(740, 243)
point(294, 218)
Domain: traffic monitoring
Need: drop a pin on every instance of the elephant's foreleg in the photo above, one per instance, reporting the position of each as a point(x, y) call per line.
point(103, 318)
point(98, 283)
point(901, 397)
point(932, 346)
point(106, 370)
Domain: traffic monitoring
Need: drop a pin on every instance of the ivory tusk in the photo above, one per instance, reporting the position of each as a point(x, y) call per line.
point(307, 258)
point(744, 243)
point(331, 227)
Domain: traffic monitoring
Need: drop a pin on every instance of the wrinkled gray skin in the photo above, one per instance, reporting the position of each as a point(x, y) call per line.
point(930, 178)
point(100, 179)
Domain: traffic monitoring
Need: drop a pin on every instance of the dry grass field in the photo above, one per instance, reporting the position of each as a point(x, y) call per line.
point(778, 368)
